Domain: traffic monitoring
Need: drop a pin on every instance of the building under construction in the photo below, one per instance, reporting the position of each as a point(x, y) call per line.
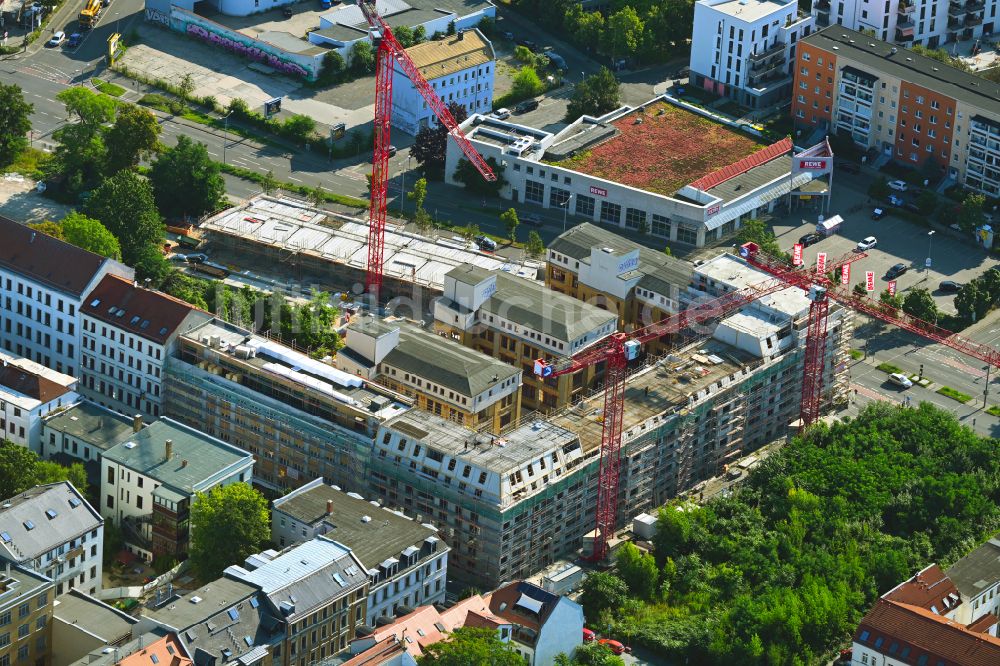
point(511, 504)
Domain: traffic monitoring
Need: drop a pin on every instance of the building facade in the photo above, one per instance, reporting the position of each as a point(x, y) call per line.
point(545, 624)
point(45, 282)
point(128, 332)
point(149, 482)
point(82, 433)
point(460, 69)
point(519, 321)
point(25, 617)
point(407, 563)
point(300, 418)
point(28, 393)
point(745, 49)
point(53, 530)
point(462, 384)
point(908, 23)
point(911, 108)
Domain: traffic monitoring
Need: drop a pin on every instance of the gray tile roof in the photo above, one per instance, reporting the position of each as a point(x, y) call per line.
point(438, 359)
point(659, 271)
point(978, 570)
point(93, 616)
point(306, 576)
point(197, 458)
point(42, 518)
point(877, 56)
point(91, 423)
point(385, 535)
point(739, 186)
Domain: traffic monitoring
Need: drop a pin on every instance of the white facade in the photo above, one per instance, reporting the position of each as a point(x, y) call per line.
point(121, 371)
point(931, 24)
point(20, 413)
point(470, 87)
point(744, 49)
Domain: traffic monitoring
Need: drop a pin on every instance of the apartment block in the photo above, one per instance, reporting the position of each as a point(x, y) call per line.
point(28, 392)
point(976, 577)
point(744, 49)
point(460, 69)
point(461, 384)
point(128, 332)
point(916, 110)
point(299, 417)
point(519, 321)
point(150, 480)
point(44, 283)
point(82, 433)
point(907, 22)
point(83, 625)
point(25, 616)
point(545, 624)
point(406, 562)
point(53, 530)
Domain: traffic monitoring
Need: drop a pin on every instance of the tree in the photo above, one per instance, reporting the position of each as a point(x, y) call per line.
point(423, 220)
point(91, 235)
point(134, 137)
point(49, 228)
point(299, 127)
point(362, 58)
point(186, 87)
point(90, 108)
point(756, 231)
point(187, 182)
point(332, 67)
point(595, 95)
point(418, 193)
point(431, 144)
point(638, 570)
point(526, 83)
point(510, 221)
point(317, 197)
point(971, 302)
point(920, 304)
point(534, 247)
point(228, 524)
point(124, 204)
point(269, 183)
point(469, 175)
point(860, 290)
point(879, 189)
point(81, 150)
point(590, 654)
point(404, 34)
point(970, 213)
point(893, 301)
point(47, 471)
point(602, 591)
point(623, 34)
point(17, 469)
point(15, 122)
point(468, 646)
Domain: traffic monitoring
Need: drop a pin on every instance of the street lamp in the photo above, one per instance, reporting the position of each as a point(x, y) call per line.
point(930, 236)
point(566, 211)
point(225, 135)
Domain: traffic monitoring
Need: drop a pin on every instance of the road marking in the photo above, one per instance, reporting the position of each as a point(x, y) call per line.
point(958, 365)
point(872, 394)
point(294, 178)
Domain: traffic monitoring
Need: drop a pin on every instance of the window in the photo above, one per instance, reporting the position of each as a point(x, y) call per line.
point(558, 197)
point(635, 218)
point(534, 191)
point(661, 226)
point(611, 212)
point(584, 205)
point(24, 609)
point(686, 234)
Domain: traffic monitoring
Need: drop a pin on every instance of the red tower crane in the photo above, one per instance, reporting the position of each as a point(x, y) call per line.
point(617, 349)
point(388, 50)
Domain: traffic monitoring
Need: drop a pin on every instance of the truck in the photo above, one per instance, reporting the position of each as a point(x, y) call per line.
point(89, 15)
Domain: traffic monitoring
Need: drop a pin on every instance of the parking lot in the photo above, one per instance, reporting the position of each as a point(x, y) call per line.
point(953, 257)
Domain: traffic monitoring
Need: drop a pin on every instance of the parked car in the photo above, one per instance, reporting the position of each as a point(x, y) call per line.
point(734, 473)
point(896, 271)
point(867, 244)
point(898, 185)
point(527, 43)
point(526, 105)
point(899, 379)
point(486, 243)
point(392, 150)
point(588, 635)
point(949, 286)
point(197, 258)
point(531, 219)
point(502, 113)
point(878, 213)
point(810, 239)
point(57, 39)
point(557, 61)
point(617, 647)
point(848, 167)
point(895, 201)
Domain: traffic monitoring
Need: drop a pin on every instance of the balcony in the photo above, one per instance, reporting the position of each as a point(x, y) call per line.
point(974, 5)
point(973, 19)
point(822, 5)
point(905, 27)
point(902, 38)
point(956, 9)
point(954, 23)
point(905, 9)
point(778, 48)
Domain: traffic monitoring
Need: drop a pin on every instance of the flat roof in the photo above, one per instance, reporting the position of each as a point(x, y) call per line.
point(91, 423)
point(751, 10)
point(731, 270)
point(659, 147)
point(879, 56)
point(661, 389)
point(297, 226)
point(383, 535)
point(24, 583)
point(410, 13)
point(977, 571)
point(499, 454)
point(197, 457)
point(93, 616)
point(312, 375)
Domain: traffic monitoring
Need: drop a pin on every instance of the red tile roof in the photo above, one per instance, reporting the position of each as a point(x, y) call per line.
point(744, 165)
point(28, 383)
point(920, 631)
point(930, 589)
point(50, 261)
point(380, 653)
point(168, 651)
point(144, 312)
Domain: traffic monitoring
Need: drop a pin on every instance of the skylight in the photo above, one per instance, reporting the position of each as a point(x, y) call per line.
point(28, 525)
point(234, 614)
point(74, 502)
point(144, 324)
point(154, 658)
point(163, 331)
point(340, 579)
point(94, 303)
point(253, 602)
point(248, 641)
point(135, 319)
point(5, 536)
point(51, 513)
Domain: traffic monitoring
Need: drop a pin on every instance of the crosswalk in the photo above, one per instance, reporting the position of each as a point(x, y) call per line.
point(47, 72)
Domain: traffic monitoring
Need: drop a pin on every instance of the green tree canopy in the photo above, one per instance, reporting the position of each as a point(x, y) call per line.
point(920, 304)
point(590, 654)
point(418, 193)
point(21, 469)
point(15, 122)
point(756, 231)
point(134, 137)
point(595, 95)
point(468, 646)
point(362, 60)
point(228, 524)
point(186, 181)
point(638, 570)
point(510, 222)
point(49, 228)
point(534, 247)
point(623, 34)
point(970, 213)
point(91, 235)
point(602, 591)
point(431, 144)
point(474, 182)
point(526, 83)
point(879, 189)
point(124, 204)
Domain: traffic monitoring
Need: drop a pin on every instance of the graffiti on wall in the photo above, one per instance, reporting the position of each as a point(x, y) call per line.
point(247, 50)
point(156, 16)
